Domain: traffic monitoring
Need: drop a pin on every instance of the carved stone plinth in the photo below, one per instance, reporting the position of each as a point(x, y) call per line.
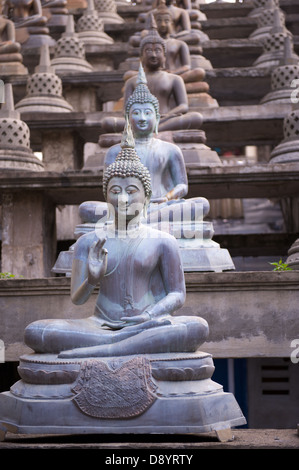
point(195, 151)
point(158, 393)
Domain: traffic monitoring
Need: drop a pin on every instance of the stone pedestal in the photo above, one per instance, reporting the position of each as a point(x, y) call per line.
point(194, 148)
point(157, 393)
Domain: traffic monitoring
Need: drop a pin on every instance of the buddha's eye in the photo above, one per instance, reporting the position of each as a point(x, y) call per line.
point(115, 190)
point(132, 189)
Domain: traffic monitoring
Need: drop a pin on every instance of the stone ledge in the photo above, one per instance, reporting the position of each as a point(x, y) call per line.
point(249, 439)
point(75, 187)
point(250, 314)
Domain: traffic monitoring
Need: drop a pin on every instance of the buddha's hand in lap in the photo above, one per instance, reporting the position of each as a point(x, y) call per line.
point(97, 261)
point(143, 320)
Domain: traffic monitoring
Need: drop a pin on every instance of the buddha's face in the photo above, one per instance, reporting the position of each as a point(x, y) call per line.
point(127, 197)
point(142, 118)
point(153, 55)
point(164, 24)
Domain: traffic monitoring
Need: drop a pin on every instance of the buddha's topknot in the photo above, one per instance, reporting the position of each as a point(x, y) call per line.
point(152, 37)
point(142, 95)
point(127, 163)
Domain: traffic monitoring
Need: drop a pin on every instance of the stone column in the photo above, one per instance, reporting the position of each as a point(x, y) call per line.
point(28, 234)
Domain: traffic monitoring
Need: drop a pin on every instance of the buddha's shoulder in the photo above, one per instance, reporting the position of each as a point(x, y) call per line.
point(158, 237)
point(169, 147)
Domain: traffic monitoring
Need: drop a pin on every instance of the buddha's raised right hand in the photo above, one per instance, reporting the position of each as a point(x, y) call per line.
point(97, 261)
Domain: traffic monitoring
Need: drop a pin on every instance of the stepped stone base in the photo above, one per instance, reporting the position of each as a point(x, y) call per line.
point(158, 393)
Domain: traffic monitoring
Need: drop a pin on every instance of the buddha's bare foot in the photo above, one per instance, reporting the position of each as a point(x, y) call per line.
point(90, 351)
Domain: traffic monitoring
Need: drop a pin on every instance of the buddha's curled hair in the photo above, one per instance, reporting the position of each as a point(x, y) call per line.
point(127, 163)
point(142, 95)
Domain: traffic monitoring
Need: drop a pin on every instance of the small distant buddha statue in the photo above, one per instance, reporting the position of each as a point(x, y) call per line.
point(29, 20)
point(183, 28)
point(26, 13)
point(168, 209)
point(169, 88)
point(8, 44)
point(139, 273)
point(178, 57)
point(10, 50)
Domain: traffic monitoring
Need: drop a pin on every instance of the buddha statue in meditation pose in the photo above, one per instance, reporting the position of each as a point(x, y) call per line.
point(139, 274)
point(169, 89)
point(8, 44)
point(27, 14)
point(163, 159)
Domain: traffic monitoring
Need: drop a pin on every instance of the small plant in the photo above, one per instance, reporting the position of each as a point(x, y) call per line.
point(280, 266)
point(6, 275)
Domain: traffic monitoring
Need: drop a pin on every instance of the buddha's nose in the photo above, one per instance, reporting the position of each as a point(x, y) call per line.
point(123, 198)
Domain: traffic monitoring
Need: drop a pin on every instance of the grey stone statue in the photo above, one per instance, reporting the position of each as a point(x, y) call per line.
point(133, 366)
point(140, 277)
point(168, 209)
point(169, 89)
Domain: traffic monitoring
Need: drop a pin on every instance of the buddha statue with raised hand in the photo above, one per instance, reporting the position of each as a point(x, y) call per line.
point(139, 274)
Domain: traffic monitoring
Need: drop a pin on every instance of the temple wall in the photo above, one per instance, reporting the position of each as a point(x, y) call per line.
point(251, 314)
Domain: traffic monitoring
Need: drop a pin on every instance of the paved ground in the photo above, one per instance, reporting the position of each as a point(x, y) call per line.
point(243, 439)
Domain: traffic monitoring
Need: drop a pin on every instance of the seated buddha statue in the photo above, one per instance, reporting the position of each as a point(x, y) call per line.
point(8, 44)
point(139, 274)
point(27, 14)
point(163, 159)
point(169, 88)
point(11, 59)
point(186, 25)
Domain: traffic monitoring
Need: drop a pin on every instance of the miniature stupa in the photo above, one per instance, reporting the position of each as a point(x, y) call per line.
point(69, 54)
point(265, 21)
point(15, 151)
point(288, 150)
point(259, 6)
point(283, 76)
point(273, 45)
point(107, 10)
point(44, 89)
point(90, 27)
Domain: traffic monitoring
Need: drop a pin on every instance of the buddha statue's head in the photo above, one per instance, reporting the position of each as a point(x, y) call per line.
point(127, 182)
point(163, 19)
point(153, 47)
point(142, 108)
